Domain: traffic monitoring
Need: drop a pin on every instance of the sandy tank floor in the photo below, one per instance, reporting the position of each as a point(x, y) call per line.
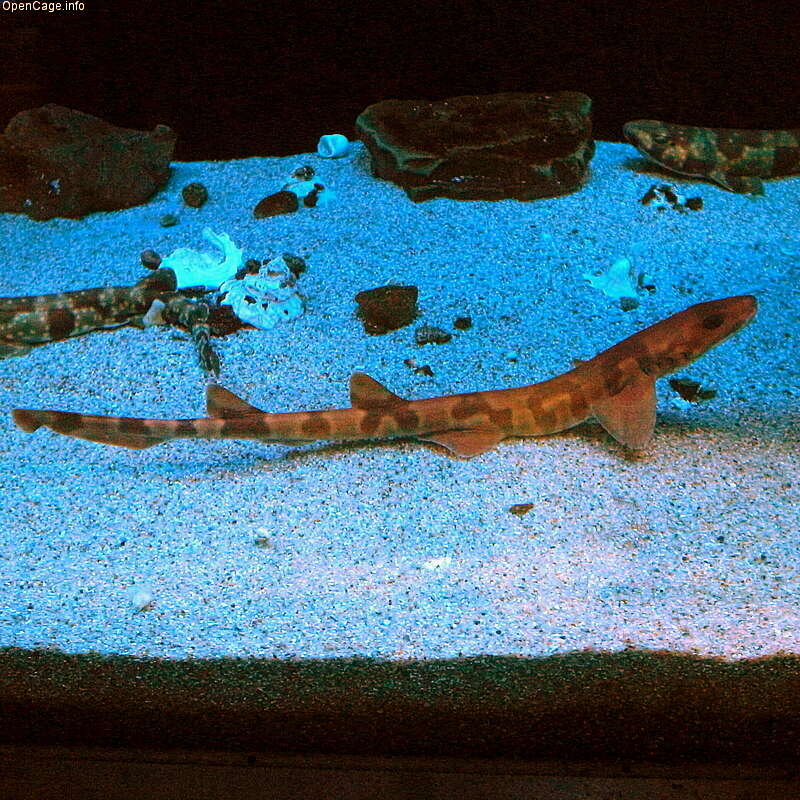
point(395, 550)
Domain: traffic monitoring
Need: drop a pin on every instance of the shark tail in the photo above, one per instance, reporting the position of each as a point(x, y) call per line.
point(118, 431)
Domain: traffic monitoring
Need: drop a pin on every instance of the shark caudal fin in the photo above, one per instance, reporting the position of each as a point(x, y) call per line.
point(117, 431)
point(630, 415)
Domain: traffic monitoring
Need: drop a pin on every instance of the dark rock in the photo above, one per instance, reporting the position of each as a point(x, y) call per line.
point(690, 390)
point(481, 147)
point(387, 308)
point(150, 259)
point(168, 220)
point(56, 162)
point(463, 323)
point(283, 202)
point(194, 195)
point(428, 334)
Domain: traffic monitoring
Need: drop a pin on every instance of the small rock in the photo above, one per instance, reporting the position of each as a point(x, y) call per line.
point(194, 195)
point(628, 303)
point(463, 323)
point(387, 308)
point(691, 391)
point(282, 202)
point(428, 334)
point(304, 173)
point(520, 509)
point(150, 259)
point(168, 220)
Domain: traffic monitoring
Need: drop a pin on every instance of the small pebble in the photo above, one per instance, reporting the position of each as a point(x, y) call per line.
point(194, 195)
point(150, 259)
point(168, 220)
point(428, 334)
point(282, 202)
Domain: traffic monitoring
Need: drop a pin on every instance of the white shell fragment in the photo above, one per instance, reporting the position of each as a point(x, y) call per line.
point(202, 269)
point(140, 596)
point(333, 145)
point(265, 298)
point(620, 280)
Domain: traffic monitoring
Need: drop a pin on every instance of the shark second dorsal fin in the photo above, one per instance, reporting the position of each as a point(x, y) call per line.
point(220, 402)
point(366, 393)
point(629, 416)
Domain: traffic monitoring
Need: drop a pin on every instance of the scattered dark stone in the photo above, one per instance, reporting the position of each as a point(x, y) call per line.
point(194, 195)
point(310, 200)
point(481, 147)
point(462, 323)
point(644, 281)
point(411, 363)
point(691, 391)
point(387, 308)
point(282, 202)
point(628, 303)
point(150, 259)
point(304, 173)
point(666, 195)
point(296, 264)
point(520, 509)
point(56, 162)
point(168, 220)
point(428, 334)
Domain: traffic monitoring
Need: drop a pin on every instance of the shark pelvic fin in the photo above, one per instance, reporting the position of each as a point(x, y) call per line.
point(466, 443)
point(630, 415)
point(367, 393)
point(220, 402)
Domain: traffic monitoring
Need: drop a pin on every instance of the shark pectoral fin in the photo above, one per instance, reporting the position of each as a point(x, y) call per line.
point(466, 443)
point(220, 402)
point(629, 416)
point(741, 184)
point(367, 393)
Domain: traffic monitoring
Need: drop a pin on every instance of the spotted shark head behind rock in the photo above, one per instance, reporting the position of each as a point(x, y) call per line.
point(736, 159)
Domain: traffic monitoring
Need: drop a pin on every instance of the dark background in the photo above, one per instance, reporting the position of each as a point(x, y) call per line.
point(266, 78)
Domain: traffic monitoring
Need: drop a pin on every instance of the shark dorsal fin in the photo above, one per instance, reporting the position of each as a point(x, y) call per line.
point(630, 415)
point(367, 393)
point(220, 402)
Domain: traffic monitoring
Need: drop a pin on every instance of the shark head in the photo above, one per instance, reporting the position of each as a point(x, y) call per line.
point(676, 147)
point(684, 337)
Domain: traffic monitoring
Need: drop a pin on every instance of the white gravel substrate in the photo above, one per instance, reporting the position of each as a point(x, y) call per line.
point(395, 550)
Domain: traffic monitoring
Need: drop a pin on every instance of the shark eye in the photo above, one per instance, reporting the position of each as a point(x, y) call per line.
point(713, 321)
point(661, 138)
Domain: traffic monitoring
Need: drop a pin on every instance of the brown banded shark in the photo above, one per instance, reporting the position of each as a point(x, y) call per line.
point(37, 320)
point(616, 387)
point(735, 158)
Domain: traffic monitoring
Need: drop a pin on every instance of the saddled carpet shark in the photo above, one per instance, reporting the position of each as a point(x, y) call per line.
point(616, 387)
point(735, 158)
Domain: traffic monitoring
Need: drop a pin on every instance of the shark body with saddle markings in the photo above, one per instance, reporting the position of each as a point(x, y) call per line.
point(616, 387)
point(735, 158)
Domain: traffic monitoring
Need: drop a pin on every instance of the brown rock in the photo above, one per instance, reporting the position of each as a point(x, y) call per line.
point(56, 162)
point(481, 147)
point(387, 308)
point(195, 195)
point(283, 202)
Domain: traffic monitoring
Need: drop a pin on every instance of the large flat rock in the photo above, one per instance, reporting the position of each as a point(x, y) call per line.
point(481, 147)
point(58, 162)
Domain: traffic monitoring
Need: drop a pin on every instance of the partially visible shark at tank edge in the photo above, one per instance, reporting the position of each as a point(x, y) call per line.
point(616, 387)
point(736, 159)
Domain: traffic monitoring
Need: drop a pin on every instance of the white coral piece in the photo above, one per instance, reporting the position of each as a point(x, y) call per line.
point(202, 269)
point(265, 298)
point(620, 280)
